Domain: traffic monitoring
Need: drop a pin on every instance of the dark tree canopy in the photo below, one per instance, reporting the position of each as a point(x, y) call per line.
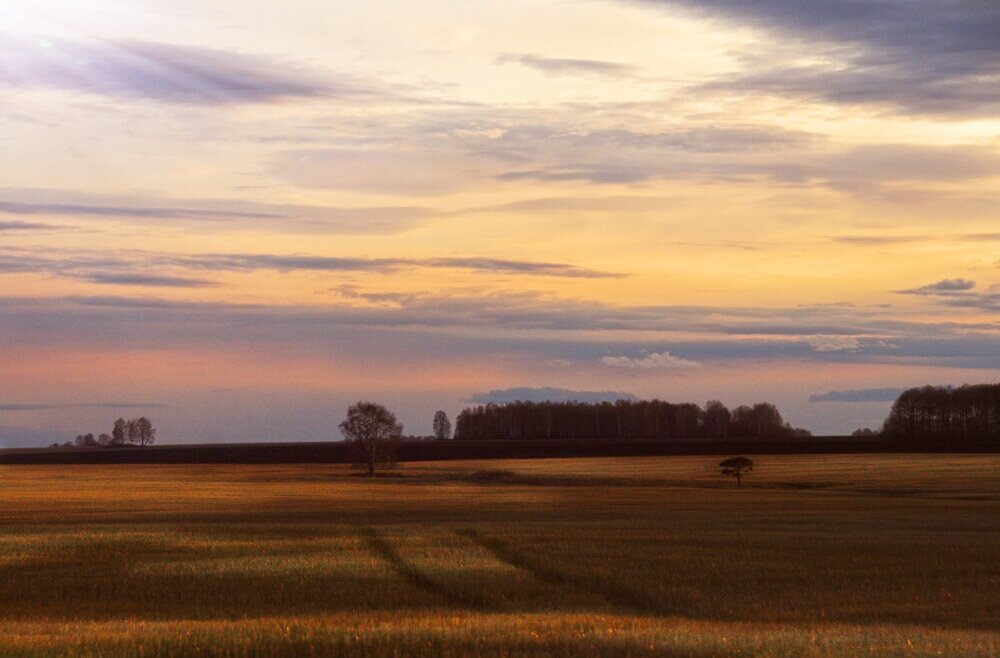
point(119, 435)
point(374, 432)
point(736, 467)
point(644, 419)
point(137, 431)
point(945, 412)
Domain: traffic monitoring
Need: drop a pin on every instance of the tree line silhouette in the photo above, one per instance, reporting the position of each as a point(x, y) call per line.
point(624, 419)
point(135, 431)
point(945, 412)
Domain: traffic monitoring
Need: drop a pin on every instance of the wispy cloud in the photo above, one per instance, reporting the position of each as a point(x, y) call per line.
point(41, 406)
point(133, 69)
point(858, 395)
point(650, 361)
point(28, 227)
point(211, 214)
point(140, 268)
point(538, 328)
point(546, 394)
point(568, 66)
point(152, 280)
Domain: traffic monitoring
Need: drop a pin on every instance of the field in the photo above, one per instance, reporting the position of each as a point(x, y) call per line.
point(820, 555)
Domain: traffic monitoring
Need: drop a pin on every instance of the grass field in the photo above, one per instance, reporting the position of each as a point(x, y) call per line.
point(817, 556)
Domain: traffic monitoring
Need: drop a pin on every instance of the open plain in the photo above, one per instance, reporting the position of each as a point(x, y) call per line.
point(820, 555)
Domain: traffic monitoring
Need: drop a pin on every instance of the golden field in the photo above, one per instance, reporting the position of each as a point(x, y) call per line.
point(826, 555)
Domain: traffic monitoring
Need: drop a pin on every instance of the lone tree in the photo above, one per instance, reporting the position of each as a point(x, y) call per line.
point(442, 426)
point(373, 431)
point(736, 467)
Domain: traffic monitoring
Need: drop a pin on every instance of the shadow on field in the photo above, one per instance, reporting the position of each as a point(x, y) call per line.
point(383, 549)
point(615, 596)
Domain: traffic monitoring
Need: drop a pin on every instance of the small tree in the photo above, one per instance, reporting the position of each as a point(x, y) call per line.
point(104, 440)
point(373, 432)
point(119, 434)
point(145, 434)
point(736, 467)
point(442, 426)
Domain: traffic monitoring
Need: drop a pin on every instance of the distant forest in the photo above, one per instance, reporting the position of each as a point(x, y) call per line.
point(624, 419)
point(945, 412)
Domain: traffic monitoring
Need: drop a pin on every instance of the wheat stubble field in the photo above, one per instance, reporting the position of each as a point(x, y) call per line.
point(826, 555)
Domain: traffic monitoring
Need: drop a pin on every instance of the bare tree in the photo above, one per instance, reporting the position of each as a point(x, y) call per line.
point(442, 426)
point(145, 434)
point(104, 440)
point(119, 434)
point(132, 431)
point(736, 467)
point(374, 433)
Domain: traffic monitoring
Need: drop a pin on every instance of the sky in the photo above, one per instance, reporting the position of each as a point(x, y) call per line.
point(238, 218)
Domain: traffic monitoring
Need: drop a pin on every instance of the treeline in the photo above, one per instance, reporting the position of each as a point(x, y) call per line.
point(136, 431)
point(946, 412)
point(624, 419)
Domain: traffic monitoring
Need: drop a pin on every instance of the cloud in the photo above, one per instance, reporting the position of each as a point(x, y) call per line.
point(298, 262)
point(41, 406)
point(942, 287)
point(562, 66)
point(547, 394)
point(152, 280)
point(27, 227)
point(877, 240)
point(213, 214)
point(651, 361)
point(522, 326)
point(445, 157)
point(822, 343)
point(858, 395)
point(937, 57)
point(140, 268)
point(133, 69)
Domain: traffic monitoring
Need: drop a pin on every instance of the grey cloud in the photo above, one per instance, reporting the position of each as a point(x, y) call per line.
point(27, 227)
point(139, 268)
point(546, 394)
point(858, 395)
point(132, 69)
point(988, 302)
point(139, 212)
point(246, 262)
point(917, 56)
point(152, 280)
point(445, 158)
point(217, 214)
point(563, 66)
point(959, 293)
point(41, 406)
point(534, 327)
point(862, 170)
point(942, 287)
point(878, 239)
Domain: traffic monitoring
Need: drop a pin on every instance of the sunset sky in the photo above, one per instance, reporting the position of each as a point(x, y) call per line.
point(237, 218)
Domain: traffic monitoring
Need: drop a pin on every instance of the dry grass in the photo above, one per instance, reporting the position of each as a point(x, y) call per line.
point(819, 556)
